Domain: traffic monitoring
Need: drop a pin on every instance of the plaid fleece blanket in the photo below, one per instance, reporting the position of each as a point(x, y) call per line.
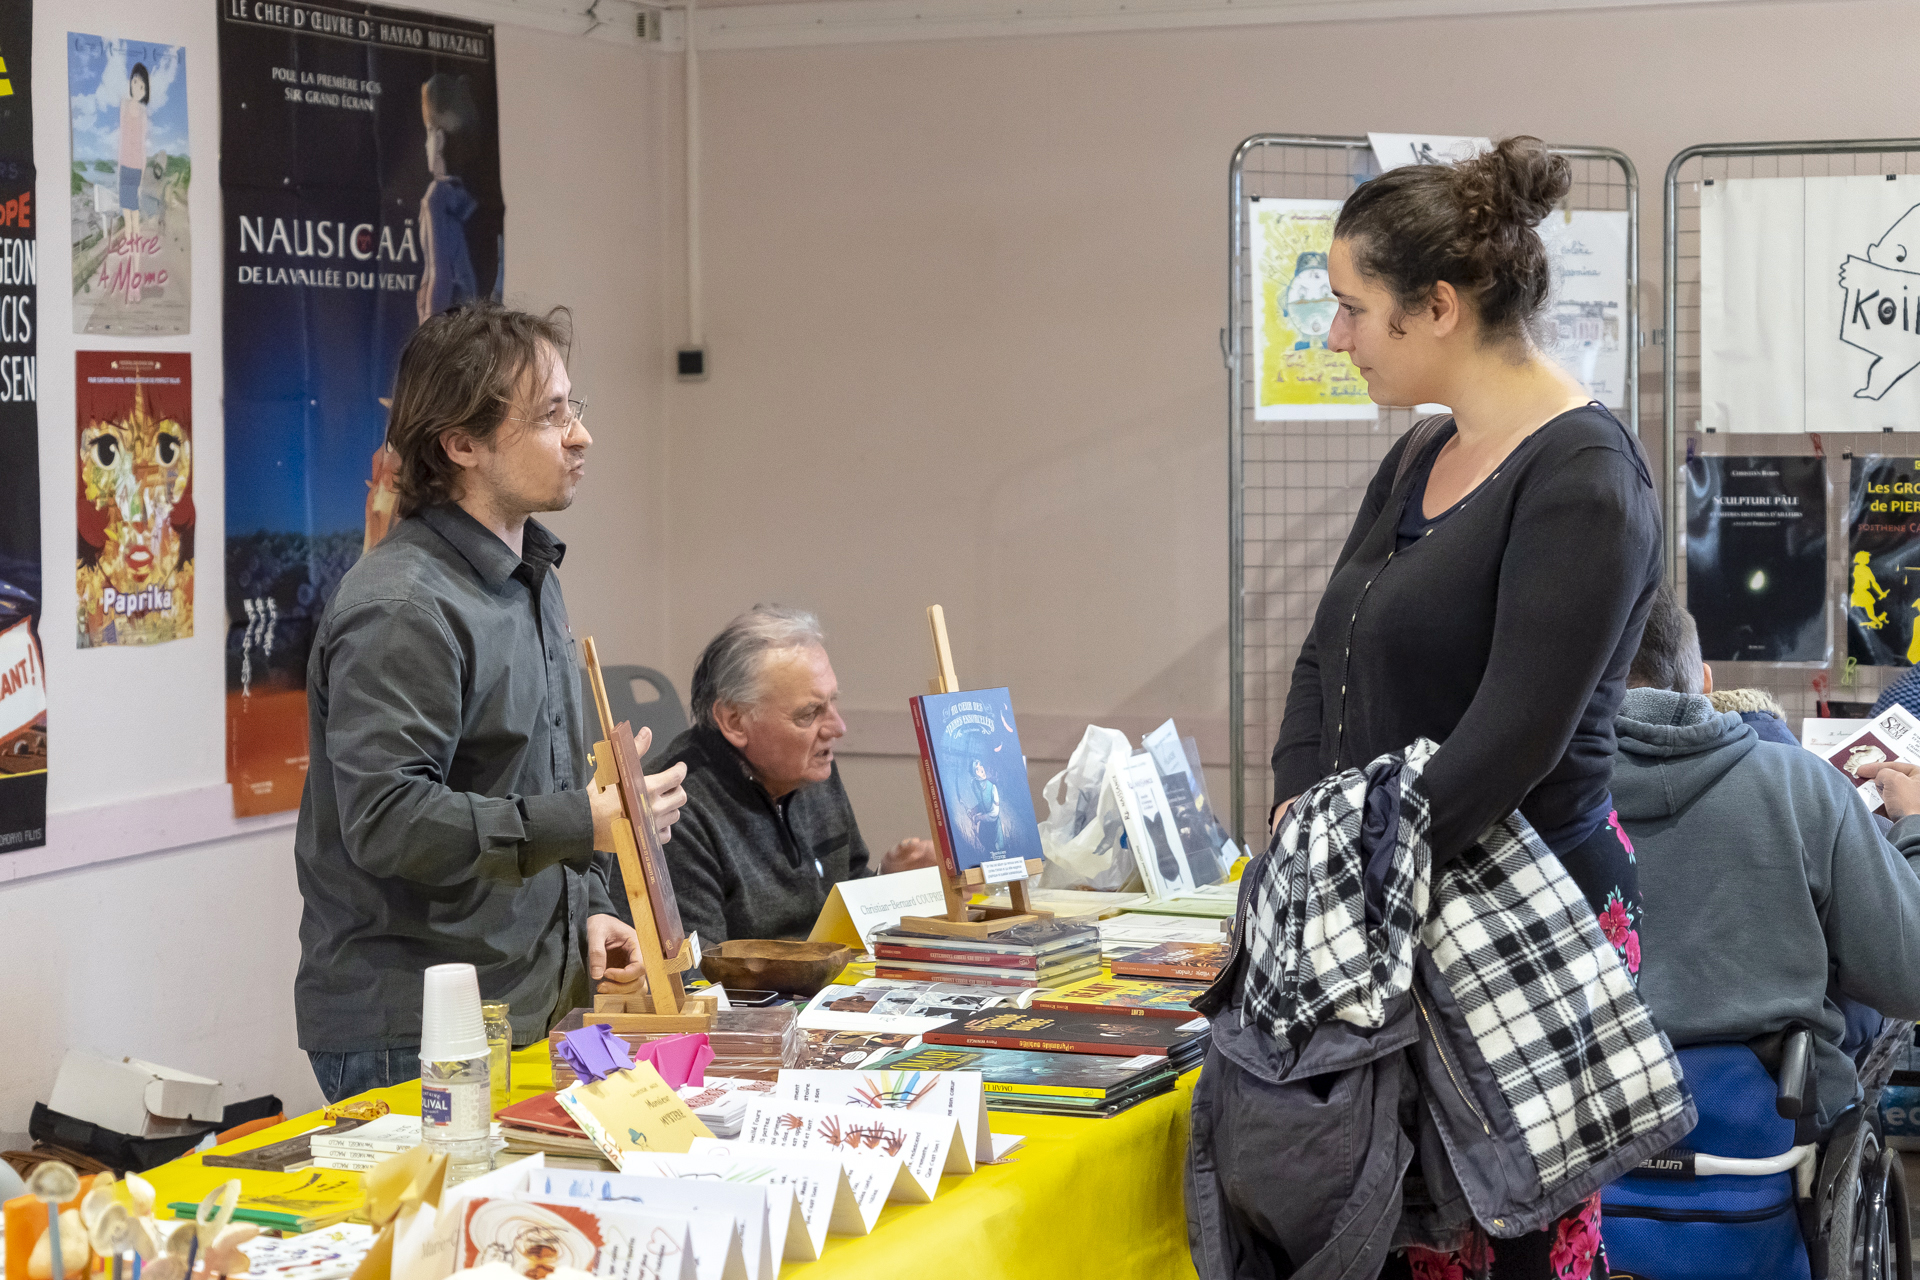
point(1572, 1049)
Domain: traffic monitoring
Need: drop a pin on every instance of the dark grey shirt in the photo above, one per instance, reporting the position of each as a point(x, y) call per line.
point(440, 821)
point(746, 865)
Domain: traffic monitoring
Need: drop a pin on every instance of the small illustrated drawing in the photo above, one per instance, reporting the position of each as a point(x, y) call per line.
point(1864, 754)
point(1309, 305)
point(1881, 305)
point(1866, 588)
point(894, 1089)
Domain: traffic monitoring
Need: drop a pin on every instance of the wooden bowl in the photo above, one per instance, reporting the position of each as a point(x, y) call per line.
point(794, 968)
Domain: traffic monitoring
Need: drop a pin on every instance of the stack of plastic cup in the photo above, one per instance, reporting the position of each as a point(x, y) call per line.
point(456, 1103)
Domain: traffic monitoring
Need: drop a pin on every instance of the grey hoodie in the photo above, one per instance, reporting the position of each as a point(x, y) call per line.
point(1763, 877)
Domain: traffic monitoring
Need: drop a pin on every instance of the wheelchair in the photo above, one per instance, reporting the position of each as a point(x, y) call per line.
point(1759, 1190)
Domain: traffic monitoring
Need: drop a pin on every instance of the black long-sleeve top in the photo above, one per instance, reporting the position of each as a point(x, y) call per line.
point(1504, 635)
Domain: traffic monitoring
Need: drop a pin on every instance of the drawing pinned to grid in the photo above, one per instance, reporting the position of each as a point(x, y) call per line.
point(1296, 376)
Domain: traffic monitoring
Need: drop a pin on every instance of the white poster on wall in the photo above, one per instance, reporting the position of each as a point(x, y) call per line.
point(1589, 308)
point(1391, 150)
point(1810, 304)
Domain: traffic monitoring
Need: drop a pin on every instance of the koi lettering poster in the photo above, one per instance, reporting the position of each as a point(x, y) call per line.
point(134, 412)
point(23, 683)
point(132, 266)
point(360, 185)
point(1883, 562)
point(1810, 303)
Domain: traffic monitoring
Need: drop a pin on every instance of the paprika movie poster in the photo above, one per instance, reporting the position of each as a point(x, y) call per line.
point(1883, 562)
point(134, 427)
point(360, 181)
point(23, 686)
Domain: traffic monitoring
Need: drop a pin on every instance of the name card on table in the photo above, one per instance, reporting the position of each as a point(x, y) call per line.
point(856, 908)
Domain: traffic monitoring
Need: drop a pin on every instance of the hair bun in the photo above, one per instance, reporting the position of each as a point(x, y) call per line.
point(1517, 183)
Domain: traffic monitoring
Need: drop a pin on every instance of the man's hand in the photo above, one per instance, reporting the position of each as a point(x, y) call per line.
point(610, 942)
point(1899, 784)
point(909, 854)
point(665, 795)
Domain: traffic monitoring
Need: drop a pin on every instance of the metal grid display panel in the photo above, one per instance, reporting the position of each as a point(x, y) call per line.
point(1300, 483)
point(1797, 688)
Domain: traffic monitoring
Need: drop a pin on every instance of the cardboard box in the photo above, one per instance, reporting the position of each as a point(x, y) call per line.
point(135, 1097)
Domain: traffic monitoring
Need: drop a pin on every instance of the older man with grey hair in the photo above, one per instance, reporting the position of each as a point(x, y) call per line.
point(767, 830)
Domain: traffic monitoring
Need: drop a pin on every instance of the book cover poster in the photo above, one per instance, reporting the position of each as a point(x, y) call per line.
point(360, 188)
point(131, 252)
point(1883, 562)
point(1588, 249)
point(1295, 376)
point(134, 419)
point(23, 687)
point(1810, 303)
point(1757, 558)
point(983, 776)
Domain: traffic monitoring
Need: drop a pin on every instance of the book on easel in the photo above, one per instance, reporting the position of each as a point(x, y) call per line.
point(979, 809)
point(658, 1001)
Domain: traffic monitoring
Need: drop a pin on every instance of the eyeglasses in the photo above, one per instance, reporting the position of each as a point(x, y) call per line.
point(576, 411)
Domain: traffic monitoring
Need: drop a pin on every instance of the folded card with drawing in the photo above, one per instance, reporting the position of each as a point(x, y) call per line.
point(920, 1143)
point(832, 1195)
point(746, 1207)
point(956, 1094)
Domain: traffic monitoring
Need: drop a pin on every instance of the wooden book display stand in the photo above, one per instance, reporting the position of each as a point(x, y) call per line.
point(962, 921)
point(657, 1003)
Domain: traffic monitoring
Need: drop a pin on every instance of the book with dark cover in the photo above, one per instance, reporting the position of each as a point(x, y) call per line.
point(1028, 1073)
point(1038, 937)
point(975, 778)
point(276, 1157)
point(1068, 1031)
point(1199, 961)
point(1130, 996)
point(985, 959)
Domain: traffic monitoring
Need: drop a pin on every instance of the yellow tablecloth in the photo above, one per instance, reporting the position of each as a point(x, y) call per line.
point(1080, 1198)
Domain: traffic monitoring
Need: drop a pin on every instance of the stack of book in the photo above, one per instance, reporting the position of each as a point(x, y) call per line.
point(1045, 953)
point(541, 1124)
point(1188, 961)
point(1078, 1031)
point(361, 1148)
point(747, 1043)
point(1124, 997)
point(1055, 1084)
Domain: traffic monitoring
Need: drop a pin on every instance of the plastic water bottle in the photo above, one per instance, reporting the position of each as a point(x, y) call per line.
point(456, 1100)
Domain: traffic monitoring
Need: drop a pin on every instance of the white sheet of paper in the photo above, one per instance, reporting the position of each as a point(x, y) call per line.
point(919, 1142)
point(1808, 302)
point(746, 1205)
point(1822, 735)
point(1588, 249)
point(1004, 1144)
point(855, 908)
point(819, 1187)
point(1391, 150)
point(956, 1094)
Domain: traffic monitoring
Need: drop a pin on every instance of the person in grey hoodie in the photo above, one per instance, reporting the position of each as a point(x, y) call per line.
point(1771, 898)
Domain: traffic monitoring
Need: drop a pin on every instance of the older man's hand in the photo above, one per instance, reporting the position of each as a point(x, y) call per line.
point(1899, 784)
point(909, 855)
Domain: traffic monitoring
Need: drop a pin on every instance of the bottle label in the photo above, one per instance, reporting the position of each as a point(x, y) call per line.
point(436, 1104)
point(456, 1103)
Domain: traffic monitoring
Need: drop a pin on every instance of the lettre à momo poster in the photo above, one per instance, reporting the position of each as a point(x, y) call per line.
point(1883, 562)
point(132, 261)
point(1810, 304)
point(134, 422)
point(1295, 376)
point(360, 184)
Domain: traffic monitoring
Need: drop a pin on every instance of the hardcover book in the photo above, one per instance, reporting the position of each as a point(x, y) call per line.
point(1200, 961)
point(975, 778)
point(1133, 997)
point(1022, 1071)
point(1069, 1031)
point(1040, 937)
point(959, 973)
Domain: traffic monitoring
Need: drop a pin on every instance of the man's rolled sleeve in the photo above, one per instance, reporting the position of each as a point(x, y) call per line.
point(559, 828)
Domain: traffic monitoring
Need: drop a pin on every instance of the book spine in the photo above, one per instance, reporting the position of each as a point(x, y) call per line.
point(964, 979)
point(1044, 1090)
point(930, 784)
point(992, 959)
point(1202, 973)
point(336, 1147)
point(1125, 1010)
point(1106, 1047)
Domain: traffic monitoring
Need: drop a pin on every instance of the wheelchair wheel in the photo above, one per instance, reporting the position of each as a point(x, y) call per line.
point(1874, 1254)
point(1900, 1213)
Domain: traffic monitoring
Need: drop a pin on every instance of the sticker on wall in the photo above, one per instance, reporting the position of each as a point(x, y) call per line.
point(1588, 314)
point(1883, 562)
point(23, 686)
point(135, 432)
point(132, 265)
point(1757, 558)
point(360, 187)
point(1296, 376)
point(1810, 303)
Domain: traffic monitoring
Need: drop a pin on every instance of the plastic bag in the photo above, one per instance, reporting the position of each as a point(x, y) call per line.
point(1081, 834)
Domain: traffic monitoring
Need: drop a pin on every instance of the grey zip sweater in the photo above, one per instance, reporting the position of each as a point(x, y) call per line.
point(1767, 885)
